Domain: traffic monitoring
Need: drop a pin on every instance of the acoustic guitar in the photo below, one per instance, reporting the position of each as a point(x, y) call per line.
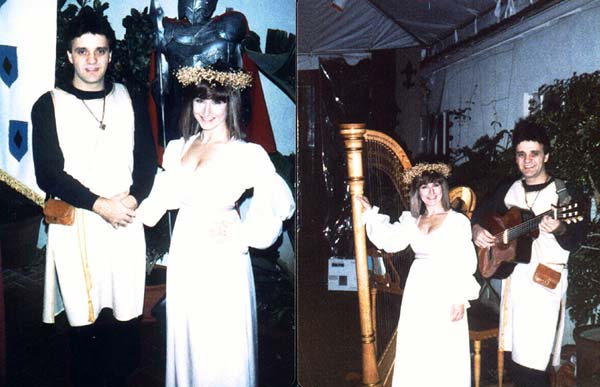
point(514, 232)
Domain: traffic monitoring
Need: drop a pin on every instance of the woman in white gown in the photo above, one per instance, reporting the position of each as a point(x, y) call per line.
point(211, 311)
point(432, 343)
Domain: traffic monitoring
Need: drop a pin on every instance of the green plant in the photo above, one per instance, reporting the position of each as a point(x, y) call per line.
point(584, 280)
point(570, 109)
point(483, 165)
point(158, 240)
point(131, 59)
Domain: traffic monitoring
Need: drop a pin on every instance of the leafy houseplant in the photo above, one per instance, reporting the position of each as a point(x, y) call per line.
point(570, 109)
point(132, 54)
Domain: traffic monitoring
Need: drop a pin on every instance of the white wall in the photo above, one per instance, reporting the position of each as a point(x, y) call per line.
point(261, 15)
point(492, 77)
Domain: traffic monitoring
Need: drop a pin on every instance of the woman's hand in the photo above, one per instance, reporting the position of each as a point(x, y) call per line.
point(457, 312)
point(364, 202)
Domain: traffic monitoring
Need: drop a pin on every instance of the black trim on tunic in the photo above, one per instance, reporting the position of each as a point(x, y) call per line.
point(49, 161)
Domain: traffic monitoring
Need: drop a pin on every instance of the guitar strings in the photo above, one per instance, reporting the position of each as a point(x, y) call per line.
point(530, 224)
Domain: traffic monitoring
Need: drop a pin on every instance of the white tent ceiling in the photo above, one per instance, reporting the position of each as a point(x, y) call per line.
point(366, 25)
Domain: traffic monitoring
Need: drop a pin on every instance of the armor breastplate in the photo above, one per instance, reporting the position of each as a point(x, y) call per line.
point(193, 45)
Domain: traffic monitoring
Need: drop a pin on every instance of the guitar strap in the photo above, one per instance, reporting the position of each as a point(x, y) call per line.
point(561, 191)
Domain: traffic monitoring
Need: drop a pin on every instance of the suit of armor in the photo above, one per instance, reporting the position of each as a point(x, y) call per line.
point(194, 39)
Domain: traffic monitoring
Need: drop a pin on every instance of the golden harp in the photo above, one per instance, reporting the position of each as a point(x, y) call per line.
point(375, 166)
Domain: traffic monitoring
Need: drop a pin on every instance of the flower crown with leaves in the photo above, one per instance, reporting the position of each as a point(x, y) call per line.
point(237, 80)
point(419, 169)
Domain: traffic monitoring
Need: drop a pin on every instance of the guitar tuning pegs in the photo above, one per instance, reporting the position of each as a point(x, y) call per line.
point(574, 219)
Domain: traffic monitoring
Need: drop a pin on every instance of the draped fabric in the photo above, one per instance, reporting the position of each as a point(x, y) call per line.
point(26, 72)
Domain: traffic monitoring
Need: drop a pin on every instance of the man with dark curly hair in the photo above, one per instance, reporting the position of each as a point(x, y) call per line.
point(92, 148)
point(531, 311)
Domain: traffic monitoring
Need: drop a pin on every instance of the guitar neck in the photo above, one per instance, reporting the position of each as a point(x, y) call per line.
point(523, 228)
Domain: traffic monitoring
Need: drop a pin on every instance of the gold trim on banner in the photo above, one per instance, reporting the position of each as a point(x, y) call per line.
point(21, 188)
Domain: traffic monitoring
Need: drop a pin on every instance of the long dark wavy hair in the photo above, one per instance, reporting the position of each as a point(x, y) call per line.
point(417, 207)
point(189, 126)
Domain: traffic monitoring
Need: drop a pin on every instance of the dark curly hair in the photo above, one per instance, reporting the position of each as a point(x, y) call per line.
point(527, 130)
point(89, 21)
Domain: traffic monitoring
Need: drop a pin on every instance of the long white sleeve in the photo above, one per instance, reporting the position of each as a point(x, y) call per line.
point(167, 189)
point(271, 203)
point(463, 263)
point(391, 237)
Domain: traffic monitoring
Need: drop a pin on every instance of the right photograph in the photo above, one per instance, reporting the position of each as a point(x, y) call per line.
point(447, 193)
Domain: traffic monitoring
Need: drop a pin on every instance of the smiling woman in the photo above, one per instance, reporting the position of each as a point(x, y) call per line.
point(210, 114)
point(207, 173)
point(444, 258)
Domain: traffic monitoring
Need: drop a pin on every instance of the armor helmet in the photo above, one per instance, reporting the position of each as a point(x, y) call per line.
point(196, 11)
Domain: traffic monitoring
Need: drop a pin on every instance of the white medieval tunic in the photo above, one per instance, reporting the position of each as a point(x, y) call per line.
point(531, 315)
point(431, 349)
point(211, 307)
point(101, 160)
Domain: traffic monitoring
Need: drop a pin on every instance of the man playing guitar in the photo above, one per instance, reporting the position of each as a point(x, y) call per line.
point(529, 311)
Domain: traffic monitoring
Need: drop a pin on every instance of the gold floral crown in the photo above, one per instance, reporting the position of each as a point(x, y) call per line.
point(237, 80)
point(419, 169)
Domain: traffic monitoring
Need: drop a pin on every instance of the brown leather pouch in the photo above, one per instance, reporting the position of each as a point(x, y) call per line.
point(59, 212)
point(546, 277)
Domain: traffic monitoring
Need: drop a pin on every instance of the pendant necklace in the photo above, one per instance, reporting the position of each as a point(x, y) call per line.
point(534, 200)
point(100, 121)
point(536, 195)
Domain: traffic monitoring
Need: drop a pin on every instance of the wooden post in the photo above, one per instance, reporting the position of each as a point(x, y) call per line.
point(477, 361)
point(353, 141)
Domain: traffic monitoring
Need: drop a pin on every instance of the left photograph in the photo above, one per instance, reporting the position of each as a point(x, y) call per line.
point(147, 193)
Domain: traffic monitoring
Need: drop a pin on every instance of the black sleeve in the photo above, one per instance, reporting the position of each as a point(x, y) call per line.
point(493, 204)
point(48, 159)
point(575, 233)
point(144, 151)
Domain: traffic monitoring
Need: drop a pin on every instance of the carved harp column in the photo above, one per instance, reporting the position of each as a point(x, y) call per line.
point(353, 135)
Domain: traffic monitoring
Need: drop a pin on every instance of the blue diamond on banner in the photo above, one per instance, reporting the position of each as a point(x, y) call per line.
point(9, 71)
point(2, 3)
point(17, 139)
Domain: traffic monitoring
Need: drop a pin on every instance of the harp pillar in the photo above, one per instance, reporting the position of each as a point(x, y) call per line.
point(353, 135)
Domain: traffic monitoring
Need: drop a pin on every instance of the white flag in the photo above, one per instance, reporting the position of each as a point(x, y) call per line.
point(27, 59)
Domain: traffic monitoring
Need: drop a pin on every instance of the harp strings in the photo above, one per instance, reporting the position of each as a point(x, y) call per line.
point(383, 188)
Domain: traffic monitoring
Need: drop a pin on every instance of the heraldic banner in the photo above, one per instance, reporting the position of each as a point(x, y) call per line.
point(27, 60)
